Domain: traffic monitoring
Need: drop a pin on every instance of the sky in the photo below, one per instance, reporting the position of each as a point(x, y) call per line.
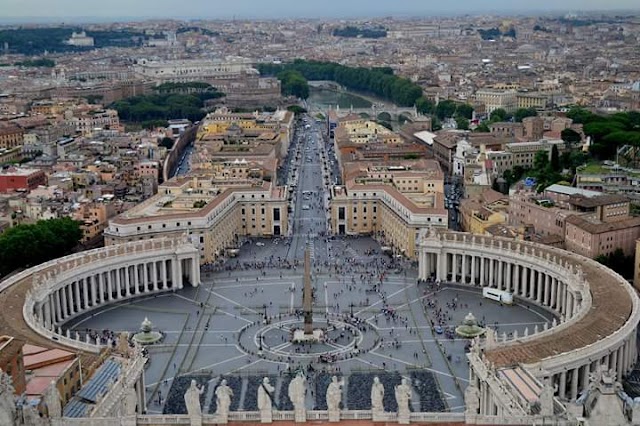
point(24, 10)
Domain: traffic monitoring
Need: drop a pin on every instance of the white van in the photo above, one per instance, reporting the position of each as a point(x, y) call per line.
point(498, 295)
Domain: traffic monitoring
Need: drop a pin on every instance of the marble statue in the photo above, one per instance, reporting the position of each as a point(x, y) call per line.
point(53, 401)
point(297, 392)
point(130, 402)
point(403, 395)
point(7, 401)
point(377, 394)
point(123, 343)
point(31, 417)
point(265, 393)
point(192, 401)
point(546, 398)
point(472, 399)
point(334, 396)
point(223, 401)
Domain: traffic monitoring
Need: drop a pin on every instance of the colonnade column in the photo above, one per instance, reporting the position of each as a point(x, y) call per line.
point(164, 273)
point(77, 298)
point(482, 270)
point(473, 269)
point(538, 289)
point(491, 272)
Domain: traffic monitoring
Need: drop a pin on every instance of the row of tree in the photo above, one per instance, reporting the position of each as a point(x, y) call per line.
point(23, 246)
point(380, 82)
point(168, 103)
point(609, 132)
point(293, 83)
point(353, 32)
point(34, 41)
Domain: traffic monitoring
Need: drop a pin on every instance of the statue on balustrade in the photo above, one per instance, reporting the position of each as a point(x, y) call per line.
point(297, 392)
point(265, 398)
point(53, 401)
point(192, 401)
point(334, 397)
point(472, 399)
point(130, 401)
point(7, 400)
point(223, 401)
point(377, 395)
point(403, 396)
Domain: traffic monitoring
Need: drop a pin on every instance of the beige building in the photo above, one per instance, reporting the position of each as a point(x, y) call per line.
point(215, 215)
point(494, 99)
point(481, 212)
point(391, 202)
point(593, 238)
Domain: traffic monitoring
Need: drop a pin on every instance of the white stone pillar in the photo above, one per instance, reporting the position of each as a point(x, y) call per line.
point(154, 274)
point(95, 297)
point(538, 288)
point(509, 273)
point(101, 288)
point(483, 262)
point(473, 270)
point(46, 313)
point(109, 275)
point(516, 278)
point(145, 277)
point(553, 301)
point(76, 291)
point(59, 314)
point(464, 268)
point(501, 285)
point(562, 391)
point(532, 280)
point(614, 360)
point(136, 278)
point(195, 266)
point(547, 285)
point(118, 288)
point(127, 281)
point(180, 283)
point(164, 274)
point(491, 272)
point(574, 384)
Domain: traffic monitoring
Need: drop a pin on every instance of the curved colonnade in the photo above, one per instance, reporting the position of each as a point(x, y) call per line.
point(68, 287)
point(597, 310)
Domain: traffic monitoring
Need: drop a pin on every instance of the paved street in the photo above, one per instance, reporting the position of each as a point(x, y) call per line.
point(378, 321)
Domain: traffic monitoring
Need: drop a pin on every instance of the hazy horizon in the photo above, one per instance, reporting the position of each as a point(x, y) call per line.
point(47, 11)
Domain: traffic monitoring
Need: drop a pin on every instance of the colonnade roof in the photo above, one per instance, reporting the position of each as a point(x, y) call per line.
point(611, 308)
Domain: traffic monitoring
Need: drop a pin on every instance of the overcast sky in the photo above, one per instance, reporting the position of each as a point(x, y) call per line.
point(11, 9)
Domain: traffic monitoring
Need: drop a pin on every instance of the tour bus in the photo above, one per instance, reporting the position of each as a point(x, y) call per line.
point(498, 295)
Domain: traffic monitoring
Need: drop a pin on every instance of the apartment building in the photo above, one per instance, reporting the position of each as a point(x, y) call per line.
point(19, 179)
point(11, 136)
point(483, 210)
point(520, 154)
point(215, 214)
point(390, 202)
point(494, 99)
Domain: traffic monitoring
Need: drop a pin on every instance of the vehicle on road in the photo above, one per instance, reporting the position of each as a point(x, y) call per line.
point(498, 295)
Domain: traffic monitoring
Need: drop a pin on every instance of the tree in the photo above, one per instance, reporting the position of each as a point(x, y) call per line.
point(555, 159)
point(523, 113)
point(541, 160)
point(465, 110)
point(462, 123)
point(28, 245)
point(424, 105)
point(482, 128)
point(498, 115)
point(446, 109)
point(570, 137)
point(167, 142)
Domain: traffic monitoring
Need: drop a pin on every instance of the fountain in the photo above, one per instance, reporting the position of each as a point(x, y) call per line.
point(469, 327)
point(147, 336)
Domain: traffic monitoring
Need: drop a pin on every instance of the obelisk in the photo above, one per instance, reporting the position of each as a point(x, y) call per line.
point(307, 295)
